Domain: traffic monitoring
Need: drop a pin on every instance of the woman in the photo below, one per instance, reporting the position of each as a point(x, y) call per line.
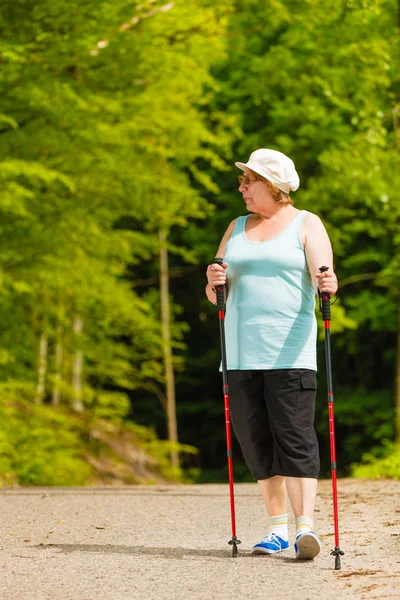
point(271, 267)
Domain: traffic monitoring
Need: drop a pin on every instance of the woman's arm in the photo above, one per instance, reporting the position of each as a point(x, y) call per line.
point(319, 253)
point(216, 274)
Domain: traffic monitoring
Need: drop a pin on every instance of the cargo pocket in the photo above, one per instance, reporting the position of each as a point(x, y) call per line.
point(306, 403)
point(308, 380)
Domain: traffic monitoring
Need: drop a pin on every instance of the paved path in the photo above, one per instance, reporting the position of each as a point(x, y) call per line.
point(170, 543)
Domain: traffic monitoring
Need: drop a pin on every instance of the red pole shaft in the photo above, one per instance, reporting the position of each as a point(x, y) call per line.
point(221, 315)
point(230, 464)
point(331, 416)
point(333, 462)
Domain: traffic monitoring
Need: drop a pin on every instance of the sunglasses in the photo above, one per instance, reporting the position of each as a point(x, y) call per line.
point(247, 180)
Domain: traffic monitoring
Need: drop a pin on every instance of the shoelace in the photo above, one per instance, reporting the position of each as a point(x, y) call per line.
point(271, 538)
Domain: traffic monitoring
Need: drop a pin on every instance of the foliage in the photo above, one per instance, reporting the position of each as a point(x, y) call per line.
point(43, 446)
point(320, 82)
point(38, 446)
point(92, 117)
point(363, 419)
point(381, 467)
point(121, 120)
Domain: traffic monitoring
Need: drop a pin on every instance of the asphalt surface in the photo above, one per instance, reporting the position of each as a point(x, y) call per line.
point(171, 543)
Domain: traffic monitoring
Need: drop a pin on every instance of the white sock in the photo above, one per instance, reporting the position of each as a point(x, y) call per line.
point(279, 526)
point(304, 525)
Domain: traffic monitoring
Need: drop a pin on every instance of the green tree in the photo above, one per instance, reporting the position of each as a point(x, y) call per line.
point(103, 120)
point(319, 81)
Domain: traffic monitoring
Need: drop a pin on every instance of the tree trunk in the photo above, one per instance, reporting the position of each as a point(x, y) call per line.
point(166, 334)
point(77, 367)
point(56, 395)
point(42, 369)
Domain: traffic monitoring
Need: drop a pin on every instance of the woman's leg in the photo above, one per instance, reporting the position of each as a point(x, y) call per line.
point(249, 418)
point(302, 492)
point(273, 492)
point(291, 399)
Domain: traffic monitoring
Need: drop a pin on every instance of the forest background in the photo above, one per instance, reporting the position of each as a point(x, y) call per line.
point(119, 126)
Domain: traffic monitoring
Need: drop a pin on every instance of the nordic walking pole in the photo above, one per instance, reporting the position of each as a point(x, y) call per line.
point(325, 308)
point(220, 291)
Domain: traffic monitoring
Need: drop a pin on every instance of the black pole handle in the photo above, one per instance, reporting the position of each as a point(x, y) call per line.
point(219, 289)
point(325, 304)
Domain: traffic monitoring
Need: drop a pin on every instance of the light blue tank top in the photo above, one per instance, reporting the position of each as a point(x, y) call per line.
point(270, 313)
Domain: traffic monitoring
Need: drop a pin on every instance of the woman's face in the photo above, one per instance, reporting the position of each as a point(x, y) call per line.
point(256, 193)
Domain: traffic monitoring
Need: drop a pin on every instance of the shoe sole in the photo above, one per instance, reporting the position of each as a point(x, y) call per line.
point(309, 547)
point(262, 551)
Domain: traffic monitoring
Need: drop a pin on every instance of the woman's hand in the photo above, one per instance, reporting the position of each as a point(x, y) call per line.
point(327, 282)
point(216, 274)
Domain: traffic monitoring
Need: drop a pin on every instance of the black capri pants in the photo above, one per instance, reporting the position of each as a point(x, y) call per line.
point(272, 414)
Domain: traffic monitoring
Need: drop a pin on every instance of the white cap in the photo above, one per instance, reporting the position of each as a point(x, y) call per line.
point(275, 166)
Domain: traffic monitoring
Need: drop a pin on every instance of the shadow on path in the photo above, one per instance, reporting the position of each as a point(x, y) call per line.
point(143, 550)
point(163, 552)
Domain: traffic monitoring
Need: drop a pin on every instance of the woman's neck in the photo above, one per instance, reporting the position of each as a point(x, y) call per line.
point(278, 211)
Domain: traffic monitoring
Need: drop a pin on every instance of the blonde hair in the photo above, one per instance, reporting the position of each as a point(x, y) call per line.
point(277, 194)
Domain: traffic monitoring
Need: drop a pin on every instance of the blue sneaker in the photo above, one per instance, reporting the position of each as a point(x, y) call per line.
point(271, 544)
point(307, 546)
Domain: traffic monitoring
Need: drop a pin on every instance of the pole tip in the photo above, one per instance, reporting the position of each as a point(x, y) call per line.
point(337, 553)
point(234, 542)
